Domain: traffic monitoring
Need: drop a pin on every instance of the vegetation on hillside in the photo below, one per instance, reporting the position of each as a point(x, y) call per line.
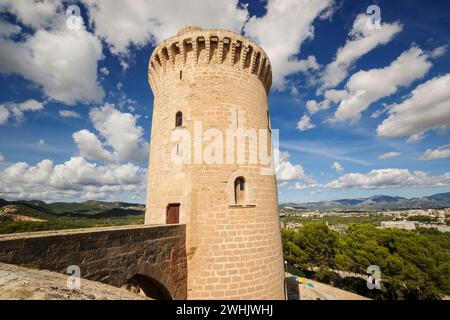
point(69, 215)
point(414, 264)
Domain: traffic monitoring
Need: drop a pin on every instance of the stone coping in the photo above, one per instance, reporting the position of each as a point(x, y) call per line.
point(49, 233)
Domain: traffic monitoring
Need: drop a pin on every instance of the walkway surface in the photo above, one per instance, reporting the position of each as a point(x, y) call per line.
point(312, 290)
point(18, 283)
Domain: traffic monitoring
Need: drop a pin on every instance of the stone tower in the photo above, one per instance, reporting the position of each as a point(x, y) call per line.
point(210, 86)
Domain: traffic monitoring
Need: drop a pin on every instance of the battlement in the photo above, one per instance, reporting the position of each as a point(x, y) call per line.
point(196, 46)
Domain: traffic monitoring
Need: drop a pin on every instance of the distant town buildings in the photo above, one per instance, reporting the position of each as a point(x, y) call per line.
point(406, 219)
point(405, 225)
point(339, 228)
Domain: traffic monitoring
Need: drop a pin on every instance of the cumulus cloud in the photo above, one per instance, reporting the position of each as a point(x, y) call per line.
point(337, 166)
point(305, 123)
point(74, 179)
point(2, 158)
point(285, 170)
point(17, 110)
point(439, 51)
point(41, 143)
point(104, 71)
point(62, 61)
point(416, 137)
point(34, 14)
point(30, 105)
point(90, 146)
point(118, 130)
point(121, 24)
point(367, 87)
point(389, 155)
point(389, 178)
point(69, 114)
point(4, 114)
point(426, 108)
point(440, 153)
point(7, 29)
point(361, 41)
point(300, 186)
point(331, 95)
point(282, 47)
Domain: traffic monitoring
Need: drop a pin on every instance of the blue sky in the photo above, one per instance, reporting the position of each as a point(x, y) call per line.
point(343, 96)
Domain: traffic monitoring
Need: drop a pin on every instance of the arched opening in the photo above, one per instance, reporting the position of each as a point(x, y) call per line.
point(148, 287)
point(239, 190)
point(179, 119)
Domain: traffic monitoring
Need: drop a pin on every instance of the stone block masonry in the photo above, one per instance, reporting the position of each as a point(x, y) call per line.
point(110, 255)
point(220, 79)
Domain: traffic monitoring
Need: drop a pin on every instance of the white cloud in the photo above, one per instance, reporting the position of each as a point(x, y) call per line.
point(40, 143)
point(300, 186)
point(285, 170)
point(330, 96)
point(367, 87)
point(416, 137)
point(313, 106)
point(389, 178)
point(62, 61)
point(90, 146)
point(119, 131)
point(125, 66)
point(337, 166)
point(305, 123)
point(2, 158)
point(4, 114)
point(439, 51)
point(389, 155)
point(440, 153)
point(30, 105)
point(121, 24)
point(427, 107)
point(74, 179)
point(281, 32)
point(104, 71)
point(361, 41)
point(69, 114)
point(7, 29)
point(17, 110)
point(35, 14)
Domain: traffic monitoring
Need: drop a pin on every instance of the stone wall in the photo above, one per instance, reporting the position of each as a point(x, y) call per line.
point(109, 255)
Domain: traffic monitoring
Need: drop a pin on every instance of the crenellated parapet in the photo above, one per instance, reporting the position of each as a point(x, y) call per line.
point(196, 46)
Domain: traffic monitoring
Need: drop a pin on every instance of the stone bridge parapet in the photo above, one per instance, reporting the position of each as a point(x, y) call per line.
point(113, 255)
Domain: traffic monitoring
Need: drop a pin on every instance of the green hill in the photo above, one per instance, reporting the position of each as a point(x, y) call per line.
point(62, 215)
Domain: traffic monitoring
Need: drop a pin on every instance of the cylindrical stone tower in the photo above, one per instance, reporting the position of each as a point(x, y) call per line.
point(209, 87)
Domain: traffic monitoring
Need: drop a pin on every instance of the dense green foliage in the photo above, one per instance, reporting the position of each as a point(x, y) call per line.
point(372, 218)
point(414, 265)
point(61, 223)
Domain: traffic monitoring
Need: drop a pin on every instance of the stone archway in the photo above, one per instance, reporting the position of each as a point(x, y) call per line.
point(149, 287)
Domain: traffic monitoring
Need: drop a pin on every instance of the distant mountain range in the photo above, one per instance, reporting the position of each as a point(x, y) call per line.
point(440, 200)
point(88, 209)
